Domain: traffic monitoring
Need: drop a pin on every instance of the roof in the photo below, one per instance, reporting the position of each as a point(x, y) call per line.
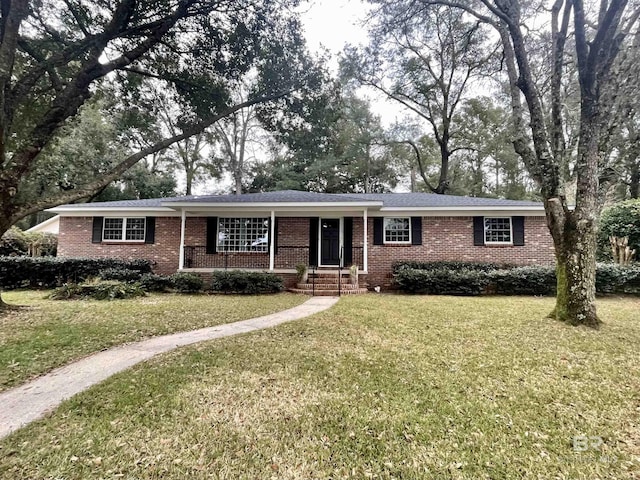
point(50, 225)
point(383, 200)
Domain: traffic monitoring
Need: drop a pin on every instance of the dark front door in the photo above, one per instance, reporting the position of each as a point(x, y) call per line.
point(329, 241)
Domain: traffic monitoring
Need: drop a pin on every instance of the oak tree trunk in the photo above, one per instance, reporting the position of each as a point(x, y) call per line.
point(575, 247)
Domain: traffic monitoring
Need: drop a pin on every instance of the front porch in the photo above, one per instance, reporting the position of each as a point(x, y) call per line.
point(277, 243)
point(285, 258)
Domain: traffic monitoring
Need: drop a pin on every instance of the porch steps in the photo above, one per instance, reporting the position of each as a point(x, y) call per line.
point(325, 283)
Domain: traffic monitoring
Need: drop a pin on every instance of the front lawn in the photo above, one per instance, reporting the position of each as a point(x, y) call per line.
point(51, 333)
point(376, 387)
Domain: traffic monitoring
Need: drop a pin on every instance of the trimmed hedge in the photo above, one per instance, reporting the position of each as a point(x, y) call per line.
point(151, 282)
point(236, 281)
point(451, 265)
point(47, 272)
point(442, 281)
point(121, 274)
point(439, 278)
point(184, 282)
point(102, 290)
point(533, 280)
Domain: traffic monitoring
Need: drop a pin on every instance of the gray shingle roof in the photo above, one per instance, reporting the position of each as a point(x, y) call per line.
point(434, 200)
point(397, 200)
point(283, 196)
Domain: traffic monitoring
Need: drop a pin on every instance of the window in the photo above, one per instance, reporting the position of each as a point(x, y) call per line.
point(124, 229)
point(497, 230)
point(397, 230)
point(243, 234)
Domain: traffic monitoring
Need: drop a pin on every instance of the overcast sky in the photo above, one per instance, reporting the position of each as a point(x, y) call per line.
point(333, 23)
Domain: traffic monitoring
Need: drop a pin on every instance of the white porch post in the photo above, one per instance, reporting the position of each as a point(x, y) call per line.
point(272, 240)
point(183, 222)
point(365, 252)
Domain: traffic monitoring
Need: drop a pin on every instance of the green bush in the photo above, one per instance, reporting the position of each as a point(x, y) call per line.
point(101, 290)
point(530, 280)
point(533, 280)
point(14, 242)
point(48, 272)
point(236, 281)
point(442, 281)
point(187, 282)
point(620, 220)
point(151, 282)
point(121, 274)
point(452, 265)
point(613, 278)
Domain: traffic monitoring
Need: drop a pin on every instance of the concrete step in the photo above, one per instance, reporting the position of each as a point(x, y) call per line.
point(332, 293)
point(327, 286)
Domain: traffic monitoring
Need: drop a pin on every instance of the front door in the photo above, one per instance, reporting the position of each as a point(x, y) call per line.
point(330, 241)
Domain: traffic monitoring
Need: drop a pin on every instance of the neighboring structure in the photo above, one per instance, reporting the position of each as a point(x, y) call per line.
point(276, 231)
point(51, 225)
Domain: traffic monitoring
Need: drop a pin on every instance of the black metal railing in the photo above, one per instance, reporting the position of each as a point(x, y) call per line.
point(286, 256)
point(197, 257)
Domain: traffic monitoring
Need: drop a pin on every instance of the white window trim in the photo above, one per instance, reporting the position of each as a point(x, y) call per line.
point(123, 238)
point(384, 232)
point(484, 229)
point(262, 252)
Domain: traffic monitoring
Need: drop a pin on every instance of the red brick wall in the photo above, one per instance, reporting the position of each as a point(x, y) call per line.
point(443, 238)
point(74, 240)
point(451, 238)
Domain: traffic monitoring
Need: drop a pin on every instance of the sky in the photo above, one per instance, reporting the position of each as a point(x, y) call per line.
point(333, 24)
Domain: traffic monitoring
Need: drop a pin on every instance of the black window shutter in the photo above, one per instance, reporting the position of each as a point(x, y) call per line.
point(348, 240)
point(212, 235)
point(97, 229)
point(378, 230)
point(313, 241)
point(416, 230)
point(275, 235)
point(150, 234)
point(517, 224)
point(478, 231)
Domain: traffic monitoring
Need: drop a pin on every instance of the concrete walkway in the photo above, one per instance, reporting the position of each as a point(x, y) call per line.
point(26, 403)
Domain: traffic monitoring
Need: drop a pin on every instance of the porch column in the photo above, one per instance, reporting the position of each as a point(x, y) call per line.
point(365, 250)
point(183, 222)
point(272, 237)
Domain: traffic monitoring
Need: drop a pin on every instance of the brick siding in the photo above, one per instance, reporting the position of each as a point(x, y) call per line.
point(443, 238)
point(74, 240)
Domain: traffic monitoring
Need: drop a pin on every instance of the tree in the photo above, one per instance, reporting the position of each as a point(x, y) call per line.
point(55, 56)
point(348, 156)
point(488, 165)
point(538, 135)
point(425, 59)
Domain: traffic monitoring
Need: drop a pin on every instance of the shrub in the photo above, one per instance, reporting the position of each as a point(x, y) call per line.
point(620, 220)
point(121, 274)
point(48, 272)
point(473, 266)
point(187, 282)
point(613, 278)
point(530, 280)
point(533, 280)
point(101, 290)
point(442, 281)
point(236, 281)
point(155, 283)
point(14, 242)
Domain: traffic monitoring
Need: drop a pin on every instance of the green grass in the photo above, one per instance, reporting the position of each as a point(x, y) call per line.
point(51, 333)
point(377, 387)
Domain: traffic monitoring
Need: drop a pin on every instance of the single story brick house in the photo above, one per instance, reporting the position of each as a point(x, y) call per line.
point(276, 231)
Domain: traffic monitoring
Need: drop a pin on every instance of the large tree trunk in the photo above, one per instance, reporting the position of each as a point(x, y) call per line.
point(575, 246)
